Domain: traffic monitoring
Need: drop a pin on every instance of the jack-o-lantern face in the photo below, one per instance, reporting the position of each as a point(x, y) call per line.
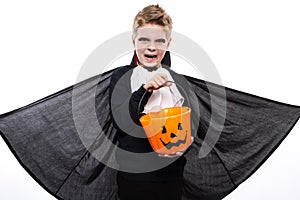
point(171, 139)
point(169, 130)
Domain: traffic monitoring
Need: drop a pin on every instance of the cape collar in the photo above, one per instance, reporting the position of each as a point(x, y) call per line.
point(151, 69)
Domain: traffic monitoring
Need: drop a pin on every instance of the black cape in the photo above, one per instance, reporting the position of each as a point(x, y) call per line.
point(44, 138)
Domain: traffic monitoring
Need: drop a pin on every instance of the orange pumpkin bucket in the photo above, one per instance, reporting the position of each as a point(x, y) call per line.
point(168, 130)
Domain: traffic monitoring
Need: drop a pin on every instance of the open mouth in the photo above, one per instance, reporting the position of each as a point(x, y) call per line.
point(150, 57)
point(178, 143)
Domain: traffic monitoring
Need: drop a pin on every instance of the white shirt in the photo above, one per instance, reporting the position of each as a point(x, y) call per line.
point(164, 97)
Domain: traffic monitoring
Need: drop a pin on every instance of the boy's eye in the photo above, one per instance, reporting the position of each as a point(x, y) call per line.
point(161, 40)
point(143, 39)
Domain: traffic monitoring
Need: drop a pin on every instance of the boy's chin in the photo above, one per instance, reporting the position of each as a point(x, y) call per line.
point(151, 64)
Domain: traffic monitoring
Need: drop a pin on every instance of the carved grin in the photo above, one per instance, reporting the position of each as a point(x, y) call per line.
point(179, 142)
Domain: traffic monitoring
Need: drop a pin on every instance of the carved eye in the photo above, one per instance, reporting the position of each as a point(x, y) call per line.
point(179, 126)
point(164, 130)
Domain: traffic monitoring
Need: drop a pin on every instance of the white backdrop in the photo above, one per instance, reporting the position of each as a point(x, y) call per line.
point(255, 46)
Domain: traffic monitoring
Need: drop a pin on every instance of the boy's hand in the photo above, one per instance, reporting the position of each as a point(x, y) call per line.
point(179, 153)
point(157, 81)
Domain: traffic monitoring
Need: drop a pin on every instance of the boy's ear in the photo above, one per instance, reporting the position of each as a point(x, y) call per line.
point(132, 38)
point(169, 42)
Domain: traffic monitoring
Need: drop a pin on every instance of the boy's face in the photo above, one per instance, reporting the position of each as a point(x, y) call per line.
point(151, 43)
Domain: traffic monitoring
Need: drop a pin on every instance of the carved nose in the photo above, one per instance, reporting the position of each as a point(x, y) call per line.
point(173, 135)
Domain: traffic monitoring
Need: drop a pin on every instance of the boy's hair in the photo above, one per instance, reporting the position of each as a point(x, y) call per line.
point(152, 14)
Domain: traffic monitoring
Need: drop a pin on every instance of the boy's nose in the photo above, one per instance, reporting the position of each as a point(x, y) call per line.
point(152, 49)
point(151, 46)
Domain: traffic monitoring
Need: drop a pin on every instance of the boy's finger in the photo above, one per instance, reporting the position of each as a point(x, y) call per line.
point(164, 76)
point(160, 80)
point(168, 83)
point(179, 153)
point(168, 155)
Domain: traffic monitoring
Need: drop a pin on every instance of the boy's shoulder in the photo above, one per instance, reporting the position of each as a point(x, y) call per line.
point(119, 71)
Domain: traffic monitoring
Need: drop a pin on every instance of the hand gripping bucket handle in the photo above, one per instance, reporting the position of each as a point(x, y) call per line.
point(168, 130)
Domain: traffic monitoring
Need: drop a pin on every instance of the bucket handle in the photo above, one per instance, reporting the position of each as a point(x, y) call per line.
point(173, 82)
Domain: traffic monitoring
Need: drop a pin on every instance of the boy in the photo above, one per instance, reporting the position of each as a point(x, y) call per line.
point(150, 89)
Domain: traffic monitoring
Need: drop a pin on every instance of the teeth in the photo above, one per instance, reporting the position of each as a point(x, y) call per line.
point(150, 56)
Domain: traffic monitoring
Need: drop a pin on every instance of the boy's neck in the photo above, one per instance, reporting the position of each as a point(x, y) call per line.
point(150, 69)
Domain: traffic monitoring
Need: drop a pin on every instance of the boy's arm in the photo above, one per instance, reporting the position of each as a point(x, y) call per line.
point(137, 103)
point(125, 105)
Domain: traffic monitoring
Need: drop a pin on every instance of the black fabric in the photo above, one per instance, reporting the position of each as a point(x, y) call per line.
point(137, 190)
point(44, 138)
